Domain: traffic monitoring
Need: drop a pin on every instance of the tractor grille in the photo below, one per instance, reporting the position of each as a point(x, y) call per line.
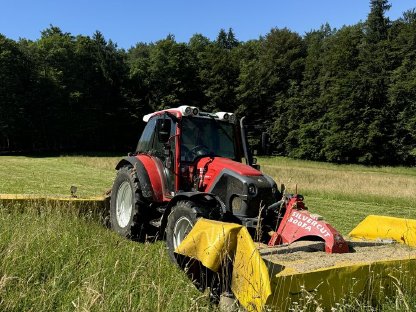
point(263, 199)
point(226, 187)
point(233, 191)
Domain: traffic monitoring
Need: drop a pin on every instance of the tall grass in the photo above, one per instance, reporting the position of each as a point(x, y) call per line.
point(53, 260)
point(345, 194)
point(356, 183)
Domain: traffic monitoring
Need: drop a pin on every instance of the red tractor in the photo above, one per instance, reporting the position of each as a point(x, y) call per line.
point(191, 164)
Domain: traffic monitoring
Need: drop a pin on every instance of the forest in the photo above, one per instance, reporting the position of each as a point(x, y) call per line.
point(343, 95)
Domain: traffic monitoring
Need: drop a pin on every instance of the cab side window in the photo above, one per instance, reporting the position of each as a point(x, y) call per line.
point(146, 140)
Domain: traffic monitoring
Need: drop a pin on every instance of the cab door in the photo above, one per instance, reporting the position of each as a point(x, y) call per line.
point(164, 145)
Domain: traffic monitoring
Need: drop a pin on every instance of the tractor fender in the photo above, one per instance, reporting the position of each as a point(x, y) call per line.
point(142, 175)
point(217, 207)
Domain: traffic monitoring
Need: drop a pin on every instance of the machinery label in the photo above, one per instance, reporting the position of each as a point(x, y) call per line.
point(307, 223)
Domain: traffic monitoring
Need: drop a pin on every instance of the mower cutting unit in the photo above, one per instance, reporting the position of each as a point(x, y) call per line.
point(300, 276)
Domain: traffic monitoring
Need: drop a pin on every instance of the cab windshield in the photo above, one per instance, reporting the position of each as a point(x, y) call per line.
point(207, 137)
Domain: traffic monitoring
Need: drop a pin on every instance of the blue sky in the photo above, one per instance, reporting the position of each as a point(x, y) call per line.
point(128, 22)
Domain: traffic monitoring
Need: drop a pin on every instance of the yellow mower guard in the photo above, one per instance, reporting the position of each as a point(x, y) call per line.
point(211, 242)
point(380, 227)
point(257, 283)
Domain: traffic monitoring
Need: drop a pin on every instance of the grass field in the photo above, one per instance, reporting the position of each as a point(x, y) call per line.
point(51, 260)
point(343, 194)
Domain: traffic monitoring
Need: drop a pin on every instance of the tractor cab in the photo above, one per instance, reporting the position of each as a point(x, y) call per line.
point(179, 138)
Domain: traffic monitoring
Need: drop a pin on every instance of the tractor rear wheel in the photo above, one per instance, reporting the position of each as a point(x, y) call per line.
point(126, 205)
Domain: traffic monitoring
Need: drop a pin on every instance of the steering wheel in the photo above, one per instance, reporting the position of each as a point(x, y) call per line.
point(196, 151)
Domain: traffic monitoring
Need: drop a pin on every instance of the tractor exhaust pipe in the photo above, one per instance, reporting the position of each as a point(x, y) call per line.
point(246, 150)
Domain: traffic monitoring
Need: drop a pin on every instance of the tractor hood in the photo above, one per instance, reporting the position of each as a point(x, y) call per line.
point(230, 179)
point(219, 163)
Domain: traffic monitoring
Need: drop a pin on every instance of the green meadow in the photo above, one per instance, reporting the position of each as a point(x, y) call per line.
point(56, 260)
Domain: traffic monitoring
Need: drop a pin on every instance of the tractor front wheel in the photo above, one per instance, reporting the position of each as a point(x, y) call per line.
point(181, 220)
point(126, 205)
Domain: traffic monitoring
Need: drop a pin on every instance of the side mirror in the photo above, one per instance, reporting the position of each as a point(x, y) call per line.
point(163, 130)
point(256, 166)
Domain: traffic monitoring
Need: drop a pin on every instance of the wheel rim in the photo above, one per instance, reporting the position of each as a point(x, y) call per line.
point(124, 204)
point(182, 227)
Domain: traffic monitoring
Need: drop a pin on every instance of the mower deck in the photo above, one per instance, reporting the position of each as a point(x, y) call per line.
point(280, 276)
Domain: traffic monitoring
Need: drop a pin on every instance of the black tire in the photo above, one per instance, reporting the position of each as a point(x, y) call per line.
point(202, 277)
point(126, 205)
point(182, 213)
point(185, 212)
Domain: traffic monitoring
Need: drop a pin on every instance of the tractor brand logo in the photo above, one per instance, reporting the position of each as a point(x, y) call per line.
point(306, 222)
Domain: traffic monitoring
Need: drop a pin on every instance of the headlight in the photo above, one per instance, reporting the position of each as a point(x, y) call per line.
point(188, 110)
point(236, 203)
point(230, 117)
point(252, 190)
point(233, 118)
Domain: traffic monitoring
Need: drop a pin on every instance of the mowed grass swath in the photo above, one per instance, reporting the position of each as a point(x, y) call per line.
point(55, 175)
point(54, 260)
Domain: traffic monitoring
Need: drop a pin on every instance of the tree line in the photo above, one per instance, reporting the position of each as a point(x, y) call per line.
point(343, 95)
